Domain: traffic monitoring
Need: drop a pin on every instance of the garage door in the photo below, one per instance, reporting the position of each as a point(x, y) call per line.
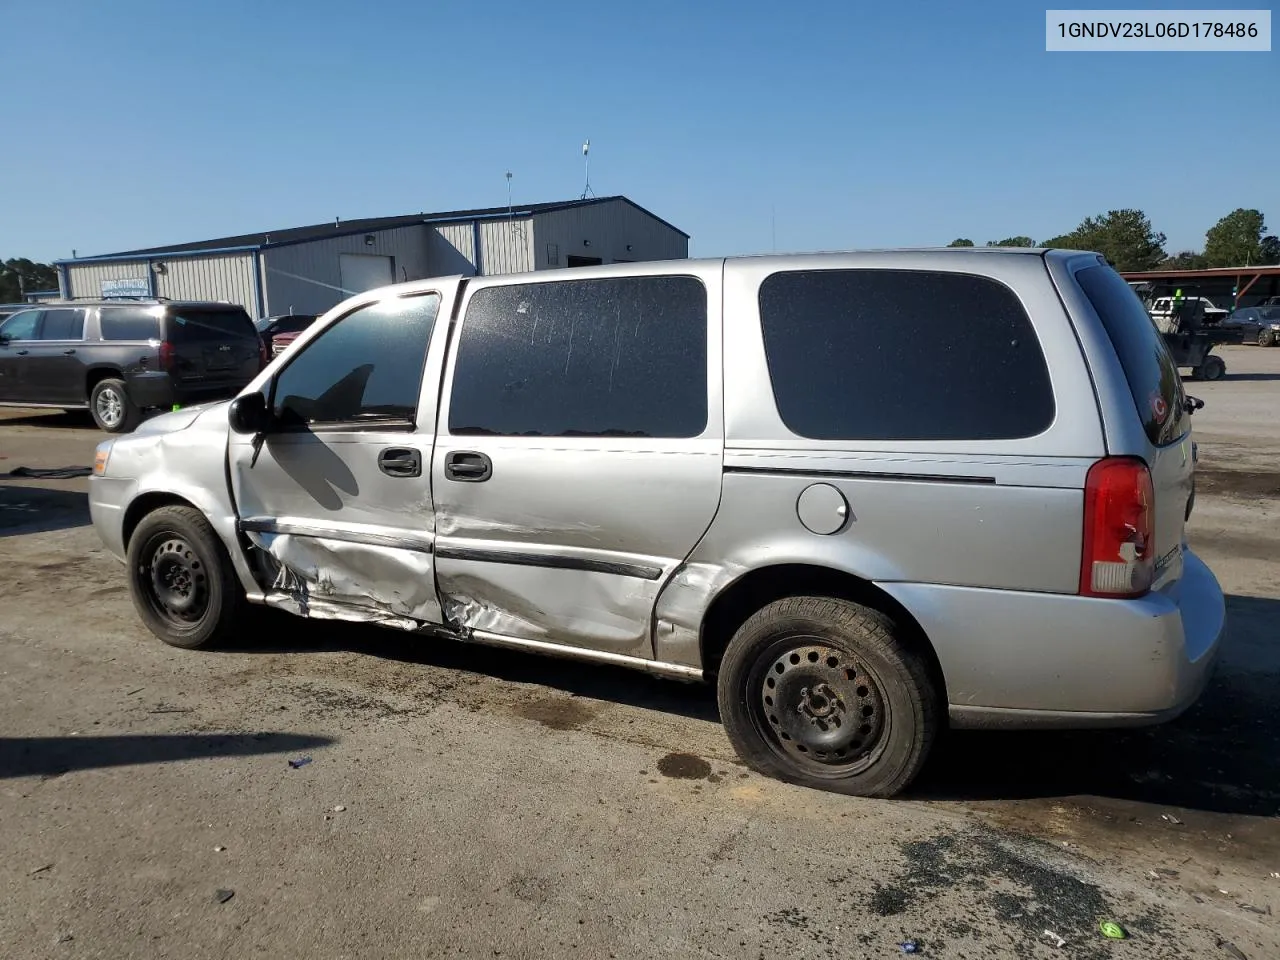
point(361, 272)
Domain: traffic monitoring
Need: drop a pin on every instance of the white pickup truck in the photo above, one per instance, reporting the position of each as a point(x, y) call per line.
point(1162, 308)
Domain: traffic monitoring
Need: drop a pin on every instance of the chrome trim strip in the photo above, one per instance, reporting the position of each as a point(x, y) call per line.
point(550, 560)
point(660, 667)
point(398, 541)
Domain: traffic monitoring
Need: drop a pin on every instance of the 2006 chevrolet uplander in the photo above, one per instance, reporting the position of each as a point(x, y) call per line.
point(869, 493)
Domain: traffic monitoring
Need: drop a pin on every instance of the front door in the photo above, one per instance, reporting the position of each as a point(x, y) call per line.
point(336, 496)
point(55, 369)
point(579, 455)
point(17, 336)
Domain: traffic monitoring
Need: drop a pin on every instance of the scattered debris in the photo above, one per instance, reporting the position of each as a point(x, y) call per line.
point(1171, 819)
point(47, 866)
point(1275, 874)
point(219, 849)
point(222, 896)
point(909, 946)
point(1232, 949)
point(1058, 939)
point(339, 808)
point(1164, 873)
point(54, 473)
point(300, 762)
point(132, 692)
point(64, 938)
point(1252, 909)
point(1112, 930)
point(171, 710)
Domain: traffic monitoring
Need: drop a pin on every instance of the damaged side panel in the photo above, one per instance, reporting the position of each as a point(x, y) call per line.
point(337, 579)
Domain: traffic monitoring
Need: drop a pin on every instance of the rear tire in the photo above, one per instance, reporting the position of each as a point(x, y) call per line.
point(111, 407)
point(1214, 368)
point(825, 693)
point(181, 579)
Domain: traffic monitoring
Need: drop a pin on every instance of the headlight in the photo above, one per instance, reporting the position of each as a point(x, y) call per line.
point(1274, 326)
point(100, 457)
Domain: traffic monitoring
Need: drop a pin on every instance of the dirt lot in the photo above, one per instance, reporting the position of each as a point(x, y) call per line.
point(467, 802)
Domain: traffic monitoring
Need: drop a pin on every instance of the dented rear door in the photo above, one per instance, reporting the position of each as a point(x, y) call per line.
point(336, 498)
point(580, 451)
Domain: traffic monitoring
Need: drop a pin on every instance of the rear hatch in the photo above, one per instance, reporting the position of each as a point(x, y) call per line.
point(1161, 404)
point(213, 344)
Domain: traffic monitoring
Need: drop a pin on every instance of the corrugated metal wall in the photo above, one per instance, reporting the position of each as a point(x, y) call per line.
point(224, 277)
point(451, 249)
point(307, 277)
point(85, 280)
point(506, 246)
point(610, 227)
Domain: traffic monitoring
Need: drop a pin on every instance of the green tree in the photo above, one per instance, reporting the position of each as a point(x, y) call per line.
point(1012, 242)
point(960, 242)
point(1125, 237)
point(1270, 250)
point(1185, 260)
point(1236, 239)
point(21, 276)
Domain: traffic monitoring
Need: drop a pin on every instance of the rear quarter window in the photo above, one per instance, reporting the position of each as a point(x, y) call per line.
point(1148, 366)
point(129, 323)
point(903, 355)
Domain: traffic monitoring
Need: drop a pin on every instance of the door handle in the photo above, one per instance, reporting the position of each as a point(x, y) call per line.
point(400, 462)
point(22, 353)
point(68, 353)
point(467, 466)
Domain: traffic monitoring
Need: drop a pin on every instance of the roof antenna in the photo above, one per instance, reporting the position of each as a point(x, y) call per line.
point(586, 169)
point(509, 213)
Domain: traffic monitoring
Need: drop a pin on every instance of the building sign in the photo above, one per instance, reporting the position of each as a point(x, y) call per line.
point(128, 287)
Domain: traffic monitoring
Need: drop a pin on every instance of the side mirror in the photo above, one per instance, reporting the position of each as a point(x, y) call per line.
point(1193, 404)
point(249, 414)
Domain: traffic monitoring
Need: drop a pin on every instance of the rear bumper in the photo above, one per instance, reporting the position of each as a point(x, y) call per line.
point(1020, 660)
point(155, 389)
point(108, 499)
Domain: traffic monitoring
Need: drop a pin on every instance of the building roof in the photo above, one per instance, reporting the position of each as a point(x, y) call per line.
point(292, 235)
point(1205, 274)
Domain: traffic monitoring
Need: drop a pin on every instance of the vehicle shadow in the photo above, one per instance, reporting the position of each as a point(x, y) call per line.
point(1223, 755)
point(55, 420)
point(1251, 376)
point(54, 756)
point(26, 510)
point(597, 681)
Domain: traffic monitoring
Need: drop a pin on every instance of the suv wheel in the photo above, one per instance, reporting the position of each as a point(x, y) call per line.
point(111, 407)
point(181, 579)
point(1267, 338)
point(824, 693)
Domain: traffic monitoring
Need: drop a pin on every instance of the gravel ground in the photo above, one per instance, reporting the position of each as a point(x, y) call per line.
point(462, 801)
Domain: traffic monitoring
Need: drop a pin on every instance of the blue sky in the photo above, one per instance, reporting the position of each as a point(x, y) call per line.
point(138, 123)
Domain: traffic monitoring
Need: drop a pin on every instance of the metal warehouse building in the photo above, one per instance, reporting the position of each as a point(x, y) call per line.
point(309, 269)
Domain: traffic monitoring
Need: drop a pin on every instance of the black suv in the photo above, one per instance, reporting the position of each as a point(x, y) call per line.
point(119, 359)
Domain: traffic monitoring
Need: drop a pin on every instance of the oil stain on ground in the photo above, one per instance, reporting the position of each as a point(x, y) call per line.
point(684, 766)
point(556, 713)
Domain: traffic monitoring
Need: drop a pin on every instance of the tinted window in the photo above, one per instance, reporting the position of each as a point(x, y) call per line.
point(902, 355)
point(1149, 368)
point(1270, 314)
point(291, 324)
point(21, 326)
point(616, 357)
point(62, 325)
point(129, 323)
point(203, 325)
point(366, 367)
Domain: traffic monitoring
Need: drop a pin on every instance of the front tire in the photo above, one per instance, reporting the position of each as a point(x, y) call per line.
point(1267, 338)
point(181, 579)
point(826, 694)
point(111, 407)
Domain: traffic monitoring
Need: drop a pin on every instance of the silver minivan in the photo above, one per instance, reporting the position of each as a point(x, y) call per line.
point(869, 495)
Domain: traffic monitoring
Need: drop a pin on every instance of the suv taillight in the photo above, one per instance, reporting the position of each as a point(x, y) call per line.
point(264, 355)
point(1119, 529)
point(166, 355)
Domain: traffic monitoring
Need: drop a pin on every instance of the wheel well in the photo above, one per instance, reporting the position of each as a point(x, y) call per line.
point(145, 504)
point(96, 376)
point(759, 588)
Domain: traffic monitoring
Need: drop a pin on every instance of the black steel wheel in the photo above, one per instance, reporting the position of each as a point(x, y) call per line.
point(181, 579)
point(828, 694)
point(1213, 368)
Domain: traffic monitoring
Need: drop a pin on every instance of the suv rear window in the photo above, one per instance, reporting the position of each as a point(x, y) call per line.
point(205, 325)
point(1148, 366)
point(903, 355)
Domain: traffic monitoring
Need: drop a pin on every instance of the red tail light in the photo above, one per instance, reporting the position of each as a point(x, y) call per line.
point(1119, 529)
point(264, 355)
point(166, 355)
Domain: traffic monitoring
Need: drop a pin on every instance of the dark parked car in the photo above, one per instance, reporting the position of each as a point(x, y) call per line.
point(1260, 325)
point(120, 359)
point(271, 327)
